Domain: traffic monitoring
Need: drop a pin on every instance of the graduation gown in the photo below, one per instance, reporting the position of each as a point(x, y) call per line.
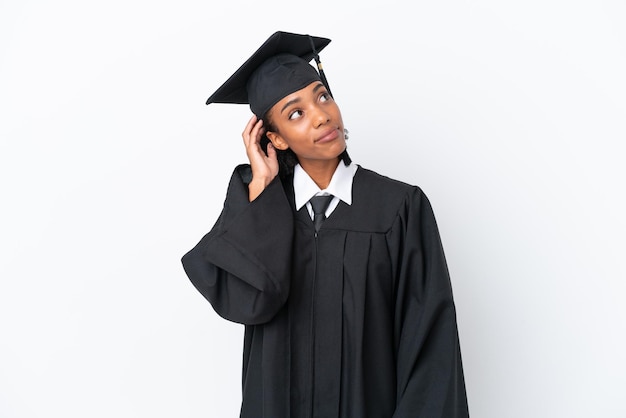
point(357, 320)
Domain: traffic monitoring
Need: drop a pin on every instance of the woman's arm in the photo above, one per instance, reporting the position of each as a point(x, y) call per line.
point(243, 265)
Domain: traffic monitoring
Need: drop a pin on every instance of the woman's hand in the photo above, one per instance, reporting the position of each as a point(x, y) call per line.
point(264, 167)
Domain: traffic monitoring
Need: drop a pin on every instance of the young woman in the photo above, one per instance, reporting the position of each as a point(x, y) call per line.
point(347, 308)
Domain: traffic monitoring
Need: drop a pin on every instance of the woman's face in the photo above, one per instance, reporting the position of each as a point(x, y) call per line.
point(309, 122)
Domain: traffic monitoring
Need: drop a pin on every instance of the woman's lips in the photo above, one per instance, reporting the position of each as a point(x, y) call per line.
point(328, 136)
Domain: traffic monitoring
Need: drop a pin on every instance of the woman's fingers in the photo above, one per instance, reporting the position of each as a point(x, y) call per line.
point(248, 129)
point(252, 133)
point(262, 164)
point(272, 160)
point(257, 132)
point(264, 167)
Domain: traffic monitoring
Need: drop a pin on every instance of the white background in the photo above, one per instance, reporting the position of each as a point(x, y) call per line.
point(510, 115)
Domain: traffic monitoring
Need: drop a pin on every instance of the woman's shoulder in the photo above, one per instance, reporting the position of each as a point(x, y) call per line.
point(382, 199)
point(380, 184)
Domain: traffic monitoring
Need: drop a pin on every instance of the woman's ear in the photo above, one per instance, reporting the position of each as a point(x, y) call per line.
point(277, 141)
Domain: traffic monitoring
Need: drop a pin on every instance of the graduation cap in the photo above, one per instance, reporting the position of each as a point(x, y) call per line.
point(278, 68)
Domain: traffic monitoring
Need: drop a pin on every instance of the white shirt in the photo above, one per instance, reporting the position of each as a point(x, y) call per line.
point(340, 187)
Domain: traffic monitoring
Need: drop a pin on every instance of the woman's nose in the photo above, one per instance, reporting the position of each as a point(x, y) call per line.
point(320, 117)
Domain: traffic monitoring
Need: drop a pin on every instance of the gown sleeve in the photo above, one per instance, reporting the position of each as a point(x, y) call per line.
point(430, 381)
point(242, 265)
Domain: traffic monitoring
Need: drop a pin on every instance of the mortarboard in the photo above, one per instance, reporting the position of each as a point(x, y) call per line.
point(278, 68)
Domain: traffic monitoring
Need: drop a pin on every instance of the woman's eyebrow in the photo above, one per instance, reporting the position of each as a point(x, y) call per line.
point(289, 103)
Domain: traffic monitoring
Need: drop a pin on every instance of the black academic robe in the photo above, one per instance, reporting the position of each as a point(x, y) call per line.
point(355, 321)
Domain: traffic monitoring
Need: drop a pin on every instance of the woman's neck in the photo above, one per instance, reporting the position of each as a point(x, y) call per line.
point(320, 171)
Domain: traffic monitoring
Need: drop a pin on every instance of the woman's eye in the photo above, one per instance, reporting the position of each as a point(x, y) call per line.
point(324, 97)
point(295, 114)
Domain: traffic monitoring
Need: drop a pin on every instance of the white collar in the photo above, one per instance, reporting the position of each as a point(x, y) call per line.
point(340, 184)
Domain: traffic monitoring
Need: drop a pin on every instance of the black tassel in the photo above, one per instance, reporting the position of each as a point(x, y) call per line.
point(320, 69)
